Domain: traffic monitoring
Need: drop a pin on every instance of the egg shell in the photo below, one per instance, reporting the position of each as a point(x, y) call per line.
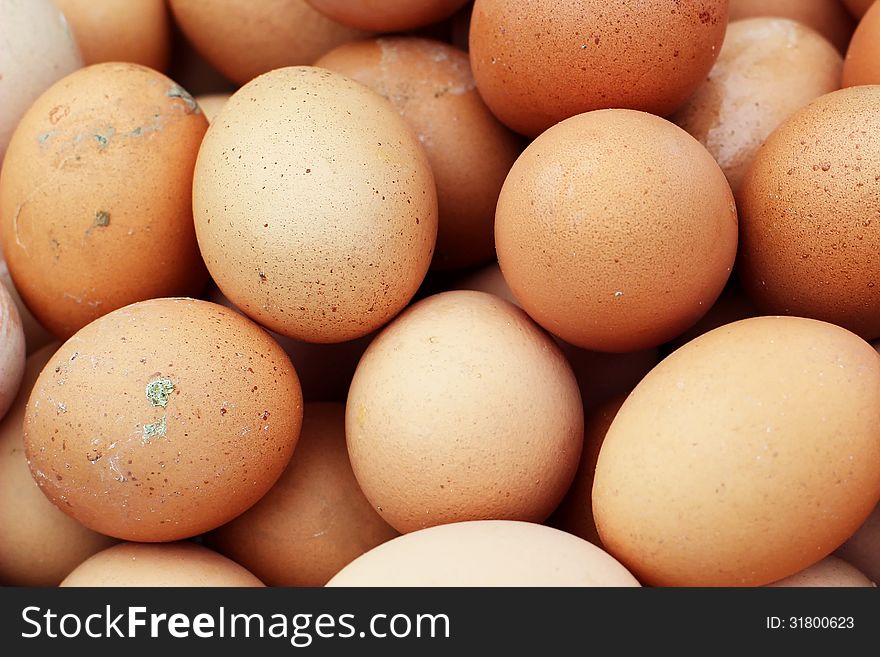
point(616, 230)
point(315, 206)
point(12, 351)
point(95, 195)
point(243, 39)
point(463, 409)
point(183, 564)
point(120, 30)
point(767, 70)
point(810, 214)
point(211, 104)
point(163, 420)
point(862, 549)
point(828, 17)
point(497, 553)
point(432, 87)
point(537, 62)
point(858, 7)
point(35, 336)
point(37, 49)
point(387, 15)
point(744, 457)
point(575, 513)
point(862, 65)
point(41, 544)
point(315, 520)
point(830, 572)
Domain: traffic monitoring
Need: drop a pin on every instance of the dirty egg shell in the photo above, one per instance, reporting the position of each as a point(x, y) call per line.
point(167, 565)
point(862, 65)
point(95, 195)
point(12, 350)
point(486, 553)
point(744, 457)
point(828, 17)
point(314, 205)
point(163, 420)
point(831, 571)
point(387, 15)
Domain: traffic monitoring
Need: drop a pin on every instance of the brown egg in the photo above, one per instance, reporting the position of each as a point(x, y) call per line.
point(828, 17)
point(858, 7)
point(767, 70)
point(537, 62)
point(485, 553)
point(809, 214)
point(744, 457)
point(862, 549)
point(35, 336)
point(575, 513)
point(831, 571)
point(12, 351)
point(95, 197)
point(36, 49)
point(862, 65)
point(171, 564)
point(41, 544)
point(387, 15)
point(163, 420)
point(315, 205)
point(463, 409)
point(431, 85)
point(315, 520)
point(616, 230)
point(243, 39)
point(120, 30)
point(211, 104)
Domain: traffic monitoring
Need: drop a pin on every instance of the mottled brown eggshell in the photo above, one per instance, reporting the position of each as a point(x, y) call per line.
point(387, 15)
point(486, 553)
point(744, 457)
point(315, 206)
point(41, 544)
point(431, 85)
point(315, 520)
point(167, 565)
point(858, 7)
point(463, 409)
point(862, 64)
point(828, 17)
point(120, 30)
point(810, 214)
point(12, 350)
point(616, 230)
point(243, 39)
point(767, 70)
point(95, 195)
point(537, 62)
point(211, 104)
point(163, 420)
point(830, 572)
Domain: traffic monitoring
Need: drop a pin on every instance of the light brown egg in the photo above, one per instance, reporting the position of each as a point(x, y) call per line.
point(575, 513)
point(95, 195)
point(616, 230)
point(537, 62)
point(163, 420)
point(120, 30)
point(810, 214)
point(858, 7)
point(315, 205)
point(387, 15)
point(828, 17)
point(211, 104)
point(767, 70)
point(431, 85)
point(463, 409)
point(243, 39)
point(830, 572)
point(744, 457)
point(315, 520)
point(862, 549)
point(485, 553)
point(12, 351)
point(41, 544)
point(171, 564)
point(37, 49)
point(862, 65)
point(35, 336)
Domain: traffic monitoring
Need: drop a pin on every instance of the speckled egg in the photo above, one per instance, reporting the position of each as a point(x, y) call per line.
point(810, 214)
point(431, 85)
point(95, 195)
point(828, 17)
point(537, 62)
point(744, 457)
point(831, 571)
point(862, 65)
point(315, 206)
point(616, 230)
point(163, 420)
